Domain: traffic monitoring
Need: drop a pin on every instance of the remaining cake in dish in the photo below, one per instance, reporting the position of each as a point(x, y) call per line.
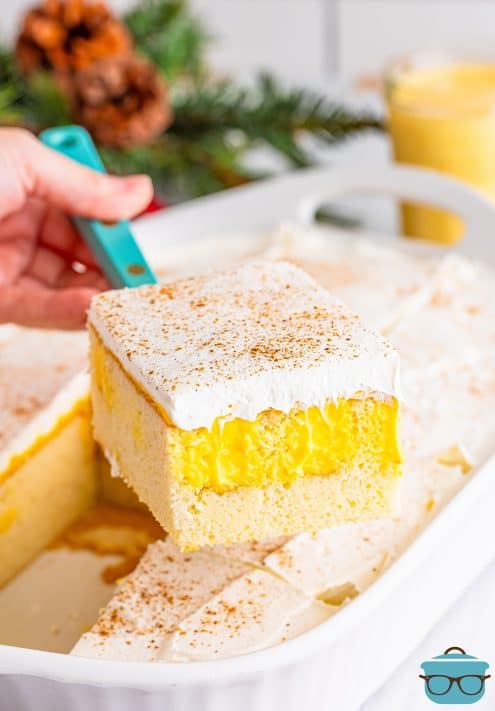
point(245, 404)
point(47, 465)
point(201, 605)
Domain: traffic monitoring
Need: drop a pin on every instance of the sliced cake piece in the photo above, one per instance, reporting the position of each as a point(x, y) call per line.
point(47, 464)
point(245, 404)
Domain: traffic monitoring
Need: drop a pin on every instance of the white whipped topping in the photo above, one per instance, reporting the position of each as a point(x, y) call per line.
point(457, 407)
point(178, 607)
point(324, 564)
point(234, 343)
point(255, 611)
point(457, 321)
point(166, 587)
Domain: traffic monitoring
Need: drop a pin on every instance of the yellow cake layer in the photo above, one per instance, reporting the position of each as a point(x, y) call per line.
point(46, 492)
point(275, 447)
point(141, 446)
point(113, 490)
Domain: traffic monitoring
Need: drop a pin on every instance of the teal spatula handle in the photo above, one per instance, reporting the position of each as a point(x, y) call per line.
point(113, 245)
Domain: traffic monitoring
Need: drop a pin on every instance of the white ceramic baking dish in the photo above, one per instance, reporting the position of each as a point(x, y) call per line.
point(340, 663)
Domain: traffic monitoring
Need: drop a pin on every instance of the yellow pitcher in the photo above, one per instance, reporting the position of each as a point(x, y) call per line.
point(442, 116)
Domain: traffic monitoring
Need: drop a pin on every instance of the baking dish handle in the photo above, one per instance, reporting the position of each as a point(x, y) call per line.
point(417, 185)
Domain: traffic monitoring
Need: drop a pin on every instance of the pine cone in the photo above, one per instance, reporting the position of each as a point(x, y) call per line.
point(122, 102)
point(65, 35)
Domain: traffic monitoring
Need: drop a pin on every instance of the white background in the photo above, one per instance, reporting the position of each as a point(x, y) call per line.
point(314, 41)
point(311, 40)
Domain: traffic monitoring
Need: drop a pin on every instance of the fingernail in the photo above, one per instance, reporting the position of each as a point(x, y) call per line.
point(135, 182)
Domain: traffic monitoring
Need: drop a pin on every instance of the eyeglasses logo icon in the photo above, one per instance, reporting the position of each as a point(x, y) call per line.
point(454, 677)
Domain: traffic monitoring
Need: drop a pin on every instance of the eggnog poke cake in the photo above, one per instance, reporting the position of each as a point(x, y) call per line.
point(178, 606)
point(245, 404)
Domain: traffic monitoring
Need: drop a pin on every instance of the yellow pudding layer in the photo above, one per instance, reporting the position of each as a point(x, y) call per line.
point(275, 447)
point(80, 409)
point(279, 447)
point(443, 118)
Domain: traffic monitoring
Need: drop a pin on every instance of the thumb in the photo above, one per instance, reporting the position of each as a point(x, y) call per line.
point(74, 188)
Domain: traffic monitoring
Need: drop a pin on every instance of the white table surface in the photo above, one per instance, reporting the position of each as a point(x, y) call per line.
point(470, 624)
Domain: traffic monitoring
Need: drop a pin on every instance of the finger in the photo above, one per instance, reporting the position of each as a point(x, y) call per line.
point(15, 255)
point(90, 278)
point(40, 307)
point(54, 269)
point(17, 243)
point(72, 187)
point(46, 267)
point(60, 235)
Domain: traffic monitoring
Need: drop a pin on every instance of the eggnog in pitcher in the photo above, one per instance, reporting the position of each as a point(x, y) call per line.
point(443, 117)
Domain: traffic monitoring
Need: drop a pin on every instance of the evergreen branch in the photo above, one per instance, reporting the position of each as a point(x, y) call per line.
point(11, 90)
point(45, 104)
point(268, 113)
point(34, 102)
point(171, 36)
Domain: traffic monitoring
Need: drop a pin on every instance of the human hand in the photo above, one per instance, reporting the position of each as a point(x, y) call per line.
point(47, 273)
